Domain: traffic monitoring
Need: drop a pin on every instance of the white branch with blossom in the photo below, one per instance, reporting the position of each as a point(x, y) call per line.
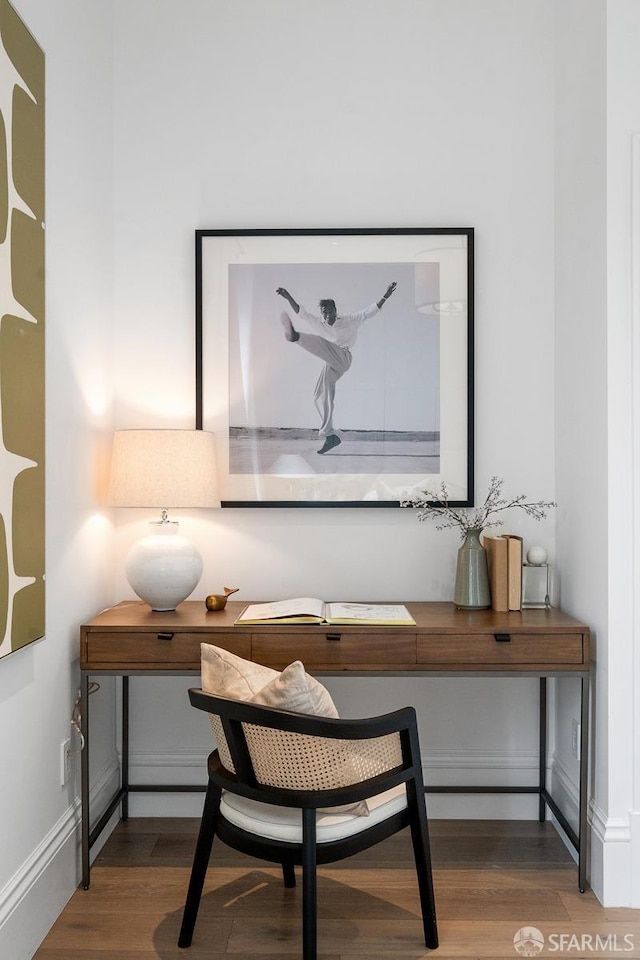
point(434, 505)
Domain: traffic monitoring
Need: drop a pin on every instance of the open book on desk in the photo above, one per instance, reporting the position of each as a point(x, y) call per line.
point(310, 610)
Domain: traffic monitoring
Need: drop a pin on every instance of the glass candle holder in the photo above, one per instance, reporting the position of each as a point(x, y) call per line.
point(536, 589)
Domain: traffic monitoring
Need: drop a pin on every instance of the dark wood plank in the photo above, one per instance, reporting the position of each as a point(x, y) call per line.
point(147, 928)
point(453, 842)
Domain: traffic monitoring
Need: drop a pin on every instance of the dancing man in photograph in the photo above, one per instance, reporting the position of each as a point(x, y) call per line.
point(336, 334)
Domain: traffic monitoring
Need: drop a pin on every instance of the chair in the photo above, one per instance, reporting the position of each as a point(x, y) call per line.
point(293, 762)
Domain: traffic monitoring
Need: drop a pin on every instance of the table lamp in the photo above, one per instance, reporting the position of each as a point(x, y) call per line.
point(163, 468)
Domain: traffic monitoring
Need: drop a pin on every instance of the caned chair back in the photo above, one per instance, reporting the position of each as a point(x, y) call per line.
point(264, 747)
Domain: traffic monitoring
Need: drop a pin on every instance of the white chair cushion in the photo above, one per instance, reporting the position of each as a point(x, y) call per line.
point(285, 823)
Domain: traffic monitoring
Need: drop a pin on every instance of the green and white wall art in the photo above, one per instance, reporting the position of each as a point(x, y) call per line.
point(22, 438)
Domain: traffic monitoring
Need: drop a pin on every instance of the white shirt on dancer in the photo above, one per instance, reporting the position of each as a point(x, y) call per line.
point(344, 331)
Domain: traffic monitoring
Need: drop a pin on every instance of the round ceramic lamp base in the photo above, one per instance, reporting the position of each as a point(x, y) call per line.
point(164, 568)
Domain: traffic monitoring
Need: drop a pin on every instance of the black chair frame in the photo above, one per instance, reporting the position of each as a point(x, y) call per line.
point(308, 854)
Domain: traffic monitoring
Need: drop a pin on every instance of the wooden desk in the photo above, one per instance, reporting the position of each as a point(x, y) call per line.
point(130, 639)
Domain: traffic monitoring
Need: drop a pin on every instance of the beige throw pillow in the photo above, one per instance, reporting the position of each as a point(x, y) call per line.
point(294, 689)
point(231, 677)
point(226, 675)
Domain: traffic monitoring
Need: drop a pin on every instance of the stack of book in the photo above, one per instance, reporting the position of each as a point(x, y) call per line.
point(504, 556)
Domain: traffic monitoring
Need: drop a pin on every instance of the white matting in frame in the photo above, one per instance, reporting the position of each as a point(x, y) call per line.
point(403, 406)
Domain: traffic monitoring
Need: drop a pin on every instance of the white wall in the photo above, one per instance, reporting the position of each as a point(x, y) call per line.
point(581, 350)
point(330, 114)
point(597, 420)
point(619, 832)
point(38, 683)
point(237, 113)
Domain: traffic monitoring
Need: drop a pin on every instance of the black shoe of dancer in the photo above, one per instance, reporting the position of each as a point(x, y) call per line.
point(332, 441)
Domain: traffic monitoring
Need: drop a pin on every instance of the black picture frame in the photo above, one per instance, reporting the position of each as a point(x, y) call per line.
point(405, 409)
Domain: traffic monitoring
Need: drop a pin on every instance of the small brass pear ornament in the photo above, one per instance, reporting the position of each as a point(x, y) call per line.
point(218, 601)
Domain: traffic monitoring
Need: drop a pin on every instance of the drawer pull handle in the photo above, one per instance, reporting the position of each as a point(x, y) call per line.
point(335, 637)
point(502, 637)
point(165, 636)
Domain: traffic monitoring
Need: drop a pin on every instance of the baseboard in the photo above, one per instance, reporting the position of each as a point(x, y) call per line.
point(610, 870)
point(455, 768)
point(611, 859)
point(33, 898)
point(182, 767)
point(460, 768)
point(565, 790)
point(102, 789)
point(490, 769)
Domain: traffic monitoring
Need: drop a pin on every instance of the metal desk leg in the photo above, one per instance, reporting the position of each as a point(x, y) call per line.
point(583, 825)
point(542, 756)
point(84, 778)
point(125, 749)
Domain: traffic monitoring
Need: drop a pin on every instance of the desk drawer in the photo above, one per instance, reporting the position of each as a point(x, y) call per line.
point(121, 650)
point(389, 650)
point(483, 649)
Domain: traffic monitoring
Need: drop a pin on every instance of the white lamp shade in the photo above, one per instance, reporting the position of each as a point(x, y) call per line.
point(164, 468)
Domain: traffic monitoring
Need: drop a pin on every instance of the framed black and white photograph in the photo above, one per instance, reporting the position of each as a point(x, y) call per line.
point(335, 367)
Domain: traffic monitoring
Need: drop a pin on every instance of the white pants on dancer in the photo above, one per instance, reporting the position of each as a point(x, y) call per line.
point(337, 361)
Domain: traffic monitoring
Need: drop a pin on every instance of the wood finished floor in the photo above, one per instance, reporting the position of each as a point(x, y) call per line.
point(491, 878)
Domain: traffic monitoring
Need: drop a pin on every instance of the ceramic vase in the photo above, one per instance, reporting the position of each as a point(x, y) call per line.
point(472, 576)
